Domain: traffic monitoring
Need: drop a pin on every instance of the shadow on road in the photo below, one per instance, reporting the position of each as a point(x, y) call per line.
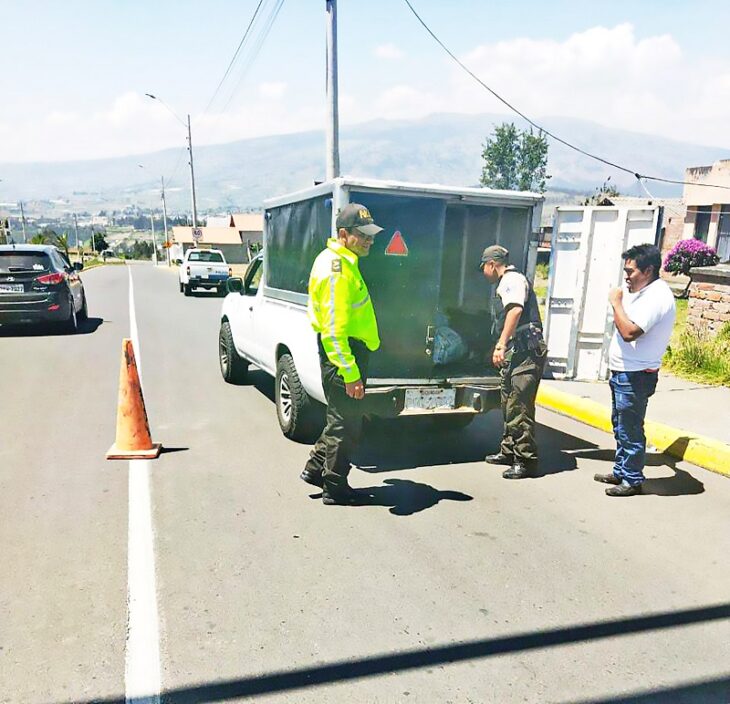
point(207, 294)
point(169, 450)
point(86, 327)
point(406, 443)
point(708, 691)
point(404, 497)
point(681, 484)
point(401, 444)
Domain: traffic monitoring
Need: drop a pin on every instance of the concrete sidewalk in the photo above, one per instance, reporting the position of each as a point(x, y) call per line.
point(685, 419)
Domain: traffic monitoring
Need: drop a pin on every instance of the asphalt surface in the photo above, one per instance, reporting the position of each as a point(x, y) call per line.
point(449, 584)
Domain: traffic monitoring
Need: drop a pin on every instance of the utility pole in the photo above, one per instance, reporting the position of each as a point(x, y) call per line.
point(192, 176)
point(22, 222)
point(78, 246)
point(333, 139)
point(164, 220)
point(154, 242)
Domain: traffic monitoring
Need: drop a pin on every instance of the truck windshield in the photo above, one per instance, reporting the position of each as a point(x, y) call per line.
point(205, 257)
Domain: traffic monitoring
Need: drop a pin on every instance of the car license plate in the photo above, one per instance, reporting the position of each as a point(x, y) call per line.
point(430, 399)
point(11, 288)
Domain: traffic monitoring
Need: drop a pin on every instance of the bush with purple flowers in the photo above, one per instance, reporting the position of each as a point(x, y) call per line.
point(687, 254)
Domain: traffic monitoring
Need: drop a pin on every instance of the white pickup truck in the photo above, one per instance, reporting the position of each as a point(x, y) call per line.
point(423, 277)
point(203, 268)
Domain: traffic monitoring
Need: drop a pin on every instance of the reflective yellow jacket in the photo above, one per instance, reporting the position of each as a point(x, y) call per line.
point(340, 307)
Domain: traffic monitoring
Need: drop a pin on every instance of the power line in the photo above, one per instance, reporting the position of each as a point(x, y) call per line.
point(547, 132)
point(263, 34)
point(235, 56)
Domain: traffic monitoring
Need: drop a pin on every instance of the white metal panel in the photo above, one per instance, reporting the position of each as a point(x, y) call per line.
point(585, 264)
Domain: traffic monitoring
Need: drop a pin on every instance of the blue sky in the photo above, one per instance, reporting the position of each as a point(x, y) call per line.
point(75, 73)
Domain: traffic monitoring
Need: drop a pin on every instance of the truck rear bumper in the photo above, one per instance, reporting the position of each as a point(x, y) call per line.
point(213, 281)
point(468, 399)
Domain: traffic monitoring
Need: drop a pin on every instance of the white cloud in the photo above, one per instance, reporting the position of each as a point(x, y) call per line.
point(273, 89)
point(608, 75)
point(388, 52)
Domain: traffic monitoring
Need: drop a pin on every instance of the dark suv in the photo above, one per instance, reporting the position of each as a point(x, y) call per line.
point(38, 284)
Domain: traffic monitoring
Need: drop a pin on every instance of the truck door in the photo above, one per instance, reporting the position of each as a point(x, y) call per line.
point(403, 273)
point(243, 322)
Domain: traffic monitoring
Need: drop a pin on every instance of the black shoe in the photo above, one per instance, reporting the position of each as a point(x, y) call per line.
point(313, 478)
point(606, 478)
point(519, 470)
point(338, 495)
point(624, 490)
point(499, 458)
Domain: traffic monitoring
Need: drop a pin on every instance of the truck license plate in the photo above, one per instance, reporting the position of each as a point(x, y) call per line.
point(430, 399)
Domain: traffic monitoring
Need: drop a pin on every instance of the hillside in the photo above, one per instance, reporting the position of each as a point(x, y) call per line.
point(443, 148)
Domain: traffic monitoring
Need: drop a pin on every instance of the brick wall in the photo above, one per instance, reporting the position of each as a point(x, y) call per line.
point(709, 298)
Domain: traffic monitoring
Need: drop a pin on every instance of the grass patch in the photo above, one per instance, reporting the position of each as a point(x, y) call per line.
point(697, 357)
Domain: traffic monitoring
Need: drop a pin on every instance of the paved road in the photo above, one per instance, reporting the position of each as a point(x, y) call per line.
point(451, 585)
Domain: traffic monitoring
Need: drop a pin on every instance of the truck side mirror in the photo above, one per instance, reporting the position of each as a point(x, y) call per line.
point(234, 284)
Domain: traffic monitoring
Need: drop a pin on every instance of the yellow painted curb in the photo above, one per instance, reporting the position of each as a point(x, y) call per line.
point(682, 444)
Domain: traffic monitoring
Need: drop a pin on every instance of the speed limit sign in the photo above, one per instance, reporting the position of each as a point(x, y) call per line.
point(197, 235)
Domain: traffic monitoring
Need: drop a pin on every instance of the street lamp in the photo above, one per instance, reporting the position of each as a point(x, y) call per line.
point(190, 150)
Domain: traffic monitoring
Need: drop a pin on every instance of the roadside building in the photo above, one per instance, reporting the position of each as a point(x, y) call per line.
point(708, 208)
point(236, 235)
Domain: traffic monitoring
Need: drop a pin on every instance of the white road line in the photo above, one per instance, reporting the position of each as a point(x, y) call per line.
point(142, 664)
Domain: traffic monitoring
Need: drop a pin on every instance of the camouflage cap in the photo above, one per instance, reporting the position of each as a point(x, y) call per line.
point(355, 215)
point(494, 253)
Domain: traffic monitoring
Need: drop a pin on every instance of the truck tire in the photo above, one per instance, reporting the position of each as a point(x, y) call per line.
point(71, 324)
point(187, 290)
point(181, 286)
point(299, 417)
point(234, 368)
point(83, 314)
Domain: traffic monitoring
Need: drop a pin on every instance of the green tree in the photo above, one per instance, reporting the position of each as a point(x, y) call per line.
point(532, 163)
point(61, 241)
point(39, 238)
point(100, 242)
point(515, 159)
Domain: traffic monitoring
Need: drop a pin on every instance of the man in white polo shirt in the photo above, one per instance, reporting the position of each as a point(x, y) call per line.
point(644, 317)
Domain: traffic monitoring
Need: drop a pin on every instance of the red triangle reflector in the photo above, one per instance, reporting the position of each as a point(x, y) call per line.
point(397, 245)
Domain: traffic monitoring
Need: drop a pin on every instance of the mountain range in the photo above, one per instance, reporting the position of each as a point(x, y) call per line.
point(443, 148)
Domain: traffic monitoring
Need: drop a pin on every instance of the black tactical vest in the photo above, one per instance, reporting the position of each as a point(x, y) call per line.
point(530, 312)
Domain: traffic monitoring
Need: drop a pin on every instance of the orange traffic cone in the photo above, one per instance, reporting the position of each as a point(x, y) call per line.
point(133, 440)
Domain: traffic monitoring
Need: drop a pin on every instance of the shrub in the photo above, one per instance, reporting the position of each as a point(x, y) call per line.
point(687, 254)
point(700, 357)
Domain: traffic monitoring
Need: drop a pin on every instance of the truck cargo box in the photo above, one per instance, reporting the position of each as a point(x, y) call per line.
point(422, 271)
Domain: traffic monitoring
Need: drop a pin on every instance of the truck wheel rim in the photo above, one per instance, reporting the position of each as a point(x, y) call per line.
point(285, 397)
point(223, 355)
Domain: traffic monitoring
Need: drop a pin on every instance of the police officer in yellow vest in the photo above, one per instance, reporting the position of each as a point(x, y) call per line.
point(342, 315)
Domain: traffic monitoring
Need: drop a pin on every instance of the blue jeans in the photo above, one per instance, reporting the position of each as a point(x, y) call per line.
point(630, 393)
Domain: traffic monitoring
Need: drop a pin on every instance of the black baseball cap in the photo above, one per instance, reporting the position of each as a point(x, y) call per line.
point(355, 215)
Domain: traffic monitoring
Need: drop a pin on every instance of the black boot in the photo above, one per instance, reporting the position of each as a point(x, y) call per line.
point(343, 495)
point(499, 458)
point(606, 478)
point(312, 477)
point(519, 470)
point(624, 490)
